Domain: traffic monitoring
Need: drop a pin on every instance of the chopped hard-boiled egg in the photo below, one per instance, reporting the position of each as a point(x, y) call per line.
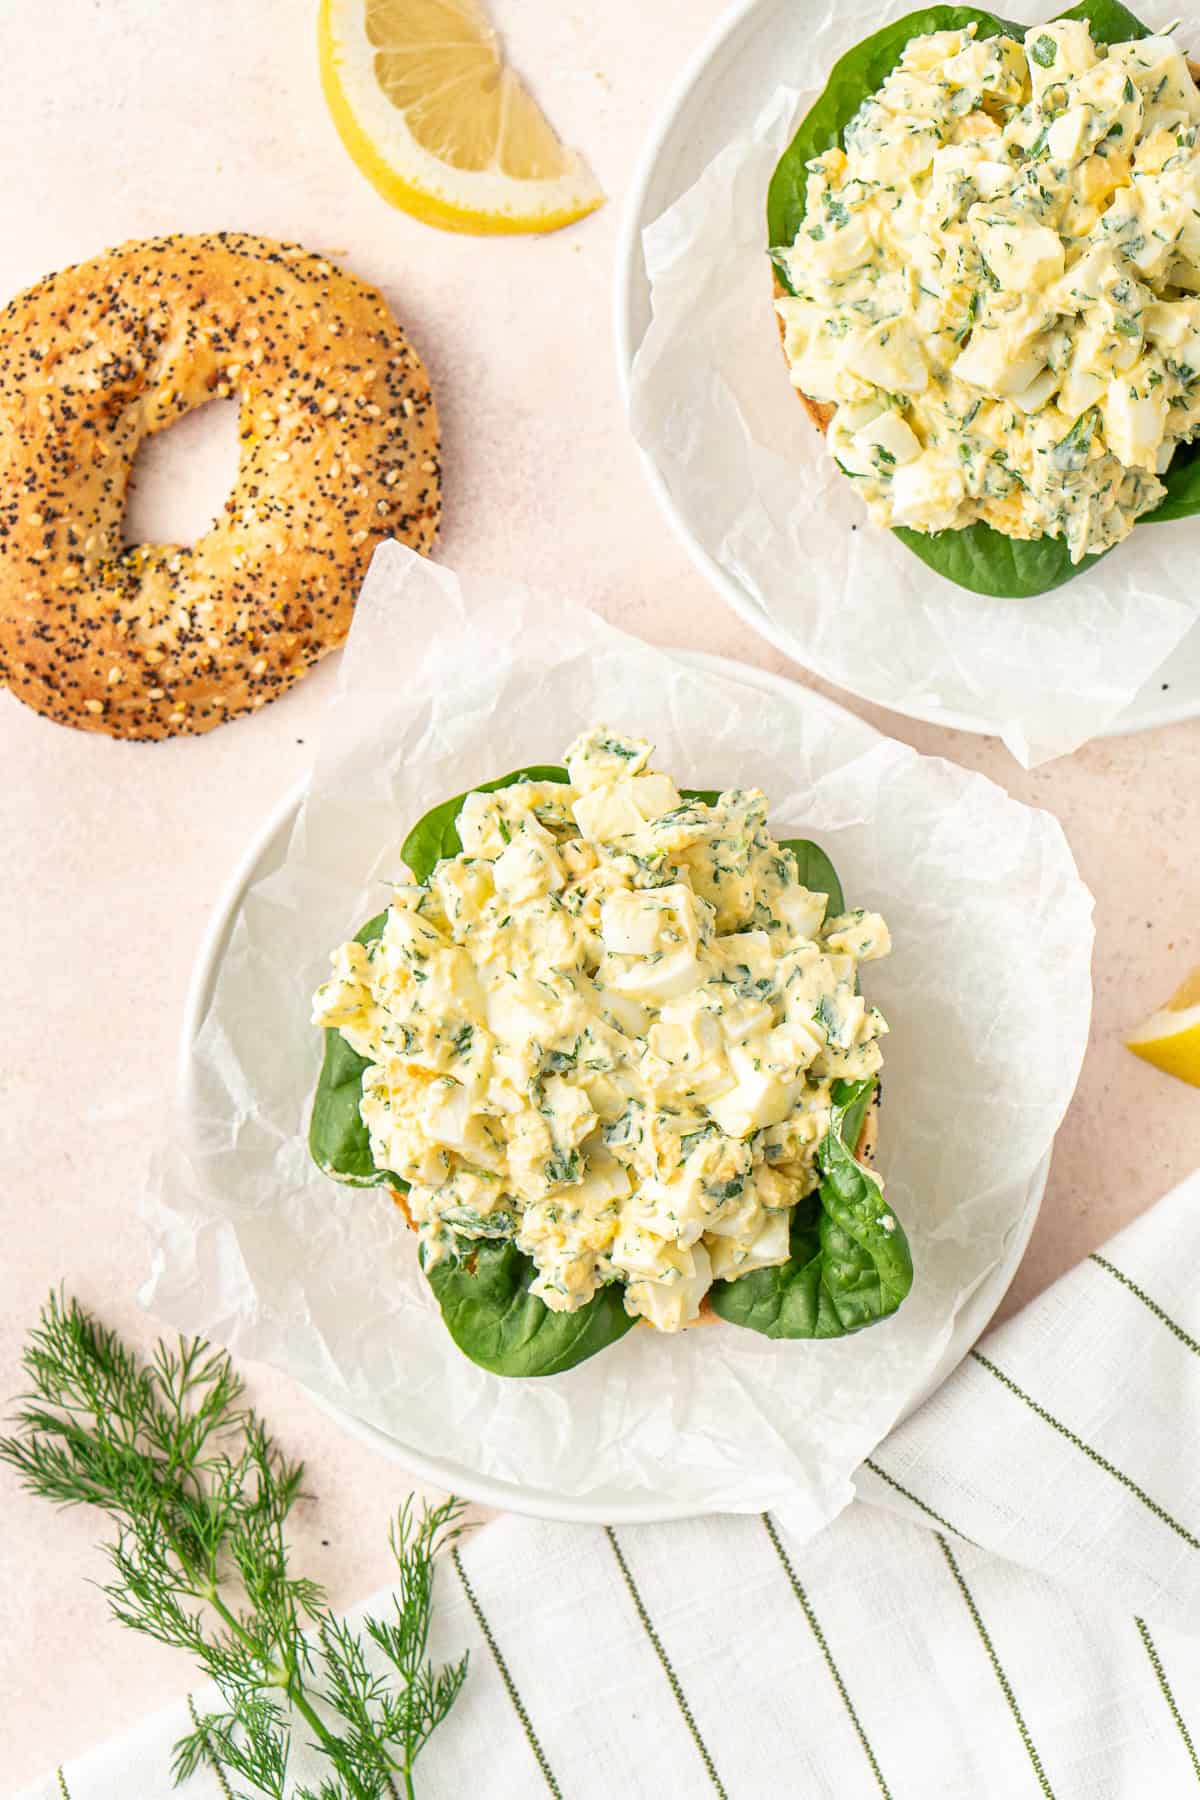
point(992, 284)
point(609, 1031)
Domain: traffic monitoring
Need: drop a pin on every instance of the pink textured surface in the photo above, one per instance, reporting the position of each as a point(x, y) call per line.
point(131, 119)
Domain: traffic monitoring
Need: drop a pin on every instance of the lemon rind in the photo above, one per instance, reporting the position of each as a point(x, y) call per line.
point(485, 203)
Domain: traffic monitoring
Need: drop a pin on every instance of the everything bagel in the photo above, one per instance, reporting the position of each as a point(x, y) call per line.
point(339, 448)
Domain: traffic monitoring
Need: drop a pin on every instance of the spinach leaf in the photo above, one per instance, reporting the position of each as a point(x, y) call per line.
point(981, 558)
point(847, 1268)
point(495, 1320)
point(855, 76)
point(1110, 22)
point(337, 1138)
point(338, 1141)
point(978, 557)
point(483, 1292)
point(1182, 482)
point(436, 835)
point(817, 873)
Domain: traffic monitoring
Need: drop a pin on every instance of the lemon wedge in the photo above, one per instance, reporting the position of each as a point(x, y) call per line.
point(434, 116)
point(1170, 1038)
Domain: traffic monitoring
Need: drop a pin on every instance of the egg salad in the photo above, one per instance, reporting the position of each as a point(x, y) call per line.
point(609, 1031)
point(997, 284)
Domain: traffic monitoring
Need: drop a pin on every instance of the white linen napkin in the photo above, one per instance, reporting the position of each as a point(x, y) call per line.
point(1003, 1611)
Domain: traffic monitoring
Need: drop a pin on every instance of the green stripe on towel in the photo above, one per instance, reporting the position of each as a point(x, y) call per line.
point(63, 1789)
point(1168, 1696)
point(1001, 1677)
point(927, 1510)
point(510, 1685)
point(1101, 1462)
point(665, 1662)
point(1152, 1305)
point(835, 1672)
point(213, 1764)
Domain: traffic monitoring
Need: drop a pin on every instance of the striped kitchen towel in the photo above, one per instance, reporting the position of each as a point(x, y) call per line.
point(1008, 1609)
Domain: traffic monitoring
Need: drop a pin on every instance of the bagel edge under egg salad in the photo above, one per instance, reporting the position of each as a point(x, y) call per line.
point(986, 243)
point(608, 1051)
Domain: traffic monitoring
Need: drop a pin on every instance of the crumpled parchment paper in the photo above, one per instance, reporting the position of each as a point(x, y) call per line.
point(713, 408)
point(988, 994)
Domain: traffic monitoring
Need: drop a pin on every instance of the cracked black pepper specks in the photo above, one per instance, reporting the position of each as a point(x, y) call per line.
point(338, 450)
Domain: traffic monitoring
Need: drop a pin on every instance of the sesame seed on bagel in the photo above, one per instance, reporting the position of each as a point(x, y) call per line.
point(338, 450)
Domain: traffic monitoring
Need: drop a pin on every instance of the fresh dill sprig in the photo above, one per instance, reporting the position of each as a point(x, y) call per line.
point(199, 1494)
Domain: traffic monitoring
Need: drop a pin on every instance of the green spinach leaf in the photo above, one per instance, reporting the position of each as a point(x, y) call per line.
point(483, 1292)
point(1182, 482)
point(978, 557)
point(855, 76)
point(817, 873)
point(338, 1140)
point(848, 1268)
point(981, 558)
point(495, 1320)
point(436, 835)
point(1110, 22)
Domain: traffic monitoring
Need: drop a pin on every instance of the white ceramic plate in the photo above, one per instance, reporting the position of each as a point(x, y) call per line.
point(264, 855)
point(725, 85)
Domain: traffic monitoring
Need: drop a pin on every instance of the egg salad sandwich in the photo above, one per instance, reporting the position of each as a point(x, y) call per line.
point(986, 241)
point(609, 1052)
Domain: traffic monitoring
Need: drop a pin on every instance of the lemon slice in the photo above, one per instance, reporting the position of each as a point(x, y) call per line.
point(1170, 1038)
point(434, 116)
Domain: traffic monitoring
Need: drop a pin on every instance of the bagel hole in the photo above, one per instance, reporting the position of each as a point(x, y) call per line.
point(181, 477)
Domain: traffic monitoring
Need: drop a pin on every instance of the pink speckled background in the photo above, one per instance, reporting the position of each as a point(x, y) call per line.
point(150, 115)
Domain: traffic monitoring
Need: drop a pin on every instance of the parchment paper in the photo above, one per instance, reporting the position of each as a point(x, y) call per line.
point(714, 409)
point(988, 994)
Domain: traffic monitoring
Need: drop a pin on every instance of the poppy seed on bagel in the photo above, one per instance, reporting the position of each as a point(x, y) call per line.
point(338, 450)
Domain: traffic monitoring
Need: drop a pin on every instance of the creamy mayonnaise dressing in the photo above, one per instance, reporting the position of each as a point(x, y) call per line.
point(609, 1030)
point(995, 282)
